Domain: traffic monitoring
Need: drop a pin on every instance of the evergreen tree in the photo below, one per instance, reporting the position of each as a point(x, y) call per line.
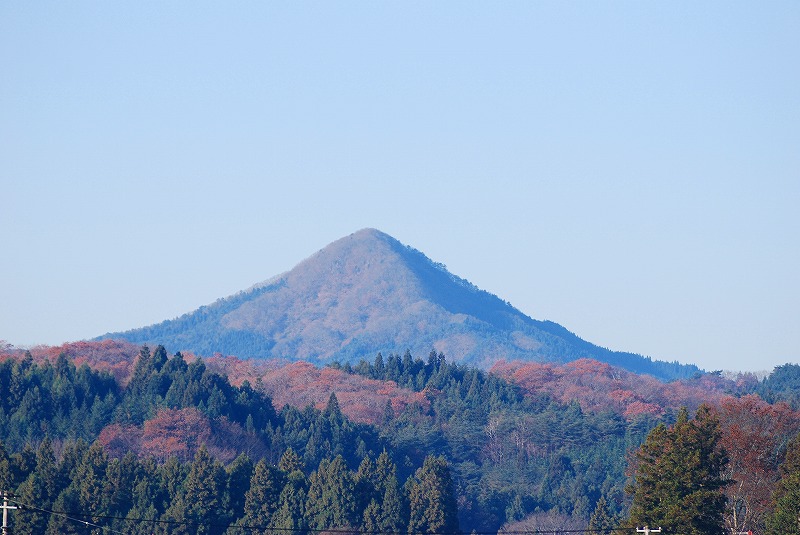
point(6, 476)
point(785, 518)
point(172, 476)
point(39, 489)
point(290, 514)
point(159, 358)
point(388, 414)
point(136, 406)
point(68, 500)
point(389, 512)
point(366, 485)
point(331, 496)
point(332, 410)
point(392, 512)
point(678, 483)
point(71, 459)
point(261, 499)
point(290, 462)
point(239, 473)
point(90, 479)
point(432, 499)
point(147, 498)
point(119, 484)
point(378, 368)
point(146, 522)
point(201, 508)
point(602, 521)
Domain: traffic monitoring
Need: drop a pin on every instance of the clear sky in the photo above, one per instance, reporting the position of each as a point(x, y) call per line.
point(630, 170)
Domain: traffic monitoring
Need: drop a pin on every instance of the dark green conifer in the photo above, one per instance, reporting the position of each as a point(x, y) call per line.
point(366, 487)
point(390, 512)
point(602, 521)
point(239, 475)
point(290, 514)
point(785, 518)
point(331, 496)
point(678, 481)
point(261, 499)
point(378, 368)
point(41, 488)
point(200, 508)
point(290, 462)
point(432, 499)
point(159, 358)
point(388, 413)
point(68, 500)
point(5, 468)
point(90, 479)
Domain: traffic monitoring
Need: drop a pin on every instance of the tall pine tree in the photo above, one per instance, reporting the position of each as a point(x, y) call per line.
point(200, 509)
point(331, 496)
point(432, 499)
point(261, 499)
point(678, 483)
point(602, 521)
point(785, 518)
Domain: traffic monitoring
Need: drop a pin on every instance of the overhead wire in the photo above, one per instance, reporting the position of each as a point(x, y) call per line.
point(71, 515)
point(65, 515)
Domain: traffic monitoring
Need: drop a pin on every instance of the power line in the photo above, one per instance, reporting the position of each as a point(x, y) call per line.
point(62, 515)
point(72, 516)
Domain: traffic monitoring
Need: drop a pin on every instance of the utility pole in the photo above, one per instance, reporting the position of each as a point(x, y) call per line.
point(6, 507)
point(648, 531)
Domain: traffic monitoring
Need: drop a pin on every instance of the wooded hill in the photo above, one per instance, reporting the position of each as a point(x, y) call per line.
point(145, 442)
point(366, 293)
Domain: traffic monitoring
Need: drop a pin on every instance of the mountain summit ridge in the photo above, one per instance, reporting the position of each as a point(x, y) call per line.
point(366, 293)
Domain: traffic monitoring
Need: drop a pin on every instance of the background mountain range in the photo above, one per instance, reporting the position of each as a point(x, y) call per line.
point(366, 293)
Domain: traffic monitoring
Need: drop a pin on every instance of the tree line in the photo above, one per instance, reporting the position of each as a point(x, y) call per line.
point(82, 486)
point(339, 476)
point(178, 446)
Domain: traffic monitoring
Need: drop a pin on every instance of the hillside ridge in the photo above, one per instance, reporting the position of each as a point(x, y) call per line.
point(368, 292)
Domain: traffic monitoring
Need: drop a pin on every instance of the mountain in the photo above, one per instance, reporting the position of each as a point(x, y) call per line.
point(366, 293)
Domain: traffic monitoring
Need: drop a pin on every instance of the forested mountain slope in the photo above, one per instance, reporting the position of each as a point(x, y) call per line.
point(147, 445)
point(365, 293)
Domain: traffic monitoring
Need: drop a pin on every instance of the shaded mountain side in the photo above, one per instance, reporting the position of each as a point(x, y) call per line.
point(367, 293)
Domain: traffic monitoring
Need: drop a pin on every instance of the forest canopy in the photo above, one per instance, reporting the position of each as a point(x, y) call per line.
point(449, 448)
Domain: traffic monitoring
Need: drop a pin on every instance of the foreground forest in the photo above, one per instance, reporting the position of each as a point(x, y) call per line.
point(144, 442)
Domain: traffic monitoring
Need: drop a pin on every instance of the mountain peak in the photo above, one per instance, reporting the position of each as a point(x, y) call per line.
point(366, 293)
point(370, 233)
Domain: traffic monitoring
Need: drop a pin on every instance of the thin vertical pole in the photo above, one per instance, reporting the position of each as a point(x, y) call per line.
point(6, 507)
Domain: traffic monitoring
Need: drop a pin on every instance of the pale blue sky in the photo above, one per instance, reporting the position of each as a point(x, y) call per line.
point(630, 170)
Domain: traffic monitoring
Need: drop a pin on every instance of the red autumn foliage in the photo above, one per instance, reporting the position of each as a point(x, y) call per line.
point(175, 432)
point(299, 384)
point(755, 435)
point(180, 433)
point(239, 370)
point(117, 440)
point(362, 400)
point(114, 356)
point(598, 387)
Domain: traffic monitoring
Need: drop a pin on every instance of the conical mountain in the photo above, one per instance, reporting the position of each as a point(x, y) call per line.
point(367, 293)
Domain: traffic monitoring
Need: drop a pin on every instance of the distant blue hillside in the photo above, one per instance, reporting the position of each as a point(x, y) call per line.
point(367, 293)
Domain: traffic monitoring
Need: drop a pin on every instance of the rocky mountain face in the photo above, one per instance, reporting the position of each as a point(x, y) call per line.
point(368, 293)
